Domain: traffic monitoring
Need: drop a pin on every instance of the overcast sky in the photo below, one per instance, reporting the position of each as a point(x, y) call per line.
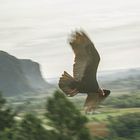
point(39, 29)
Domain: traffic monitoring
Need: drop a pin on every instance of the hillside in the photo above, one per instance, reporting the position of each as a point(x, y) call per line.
point(125, 80)
point(19, 76)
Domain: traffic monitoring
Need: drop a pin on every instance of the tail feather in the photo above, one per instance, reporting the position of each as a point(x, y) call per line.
point(65, 83)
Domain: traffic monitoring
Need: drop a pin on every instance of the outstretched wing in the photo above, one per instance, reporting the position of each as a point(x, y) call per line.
point(86, 60)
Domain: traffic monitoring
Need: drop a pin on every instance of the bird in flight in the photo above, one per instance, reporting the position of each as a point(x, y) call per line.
point(84, 78)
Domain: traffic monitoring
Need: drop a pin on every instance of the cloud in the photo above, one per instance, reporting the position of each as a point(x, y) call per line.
point(39, 29)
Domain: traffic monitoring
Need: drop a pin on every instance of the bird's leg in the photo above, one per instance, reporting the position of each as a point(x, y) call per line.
point(91, 103)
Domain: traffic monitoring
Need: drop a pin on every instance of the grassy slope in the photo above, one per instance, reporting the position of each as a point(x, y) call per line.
point(104, 113)
point(98, 122)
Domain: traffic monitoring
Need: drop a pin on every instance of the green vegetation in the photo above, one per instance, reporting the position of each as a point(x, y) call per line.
point(31, 128)
point(65, 120)
point(6, 116)
point(125, 127)
point(59, 119)
point(124, 101)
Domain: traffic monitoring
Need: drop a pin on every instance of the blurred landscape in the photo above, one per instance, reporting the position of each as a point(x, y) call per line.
point(26, 91)
point(34, 52)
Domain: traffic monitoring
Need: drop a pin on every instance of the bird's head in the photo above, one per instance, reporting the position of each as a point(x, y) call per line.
point(103, 93)
point(106, 92)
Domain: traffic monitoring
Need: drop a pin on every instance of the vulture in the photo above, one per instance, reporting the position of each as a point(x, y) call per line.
point(84, 79)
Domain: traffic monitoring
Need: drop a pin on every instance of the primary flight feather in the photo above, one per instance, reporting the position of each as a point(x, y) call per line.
point(84, 72)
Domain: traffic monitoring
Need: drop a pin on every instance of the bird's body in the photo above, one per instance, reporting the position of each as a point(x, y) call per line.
point(84, 72)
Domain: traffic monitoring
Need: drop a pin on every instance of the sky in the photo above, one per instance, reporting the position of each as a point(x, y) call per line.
point(39, 30)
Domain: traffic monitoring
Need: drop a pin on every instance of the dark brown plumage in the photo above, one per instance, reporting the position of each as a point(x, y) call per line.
point(84, 72)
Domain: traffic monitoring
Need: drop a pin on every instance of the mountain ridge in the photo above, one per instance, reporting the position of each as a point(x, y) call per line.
point(19, 76)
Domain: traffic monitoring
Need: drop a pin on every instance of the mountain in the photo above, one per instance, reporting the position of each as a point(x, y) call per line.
point(19, 76)
point(127, 80)
point(33, 75)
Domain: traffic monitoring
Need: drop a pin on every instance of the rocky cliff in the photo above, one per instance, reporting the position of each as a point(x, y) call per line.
point(19, 76)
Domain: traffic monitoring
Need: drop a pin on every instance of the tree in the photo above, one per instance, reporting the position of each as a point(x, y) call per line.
point(66, 119)
point(126, 126)
point(30, 128)
point(67, 122)
point(6, 115)
point(6, 119)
